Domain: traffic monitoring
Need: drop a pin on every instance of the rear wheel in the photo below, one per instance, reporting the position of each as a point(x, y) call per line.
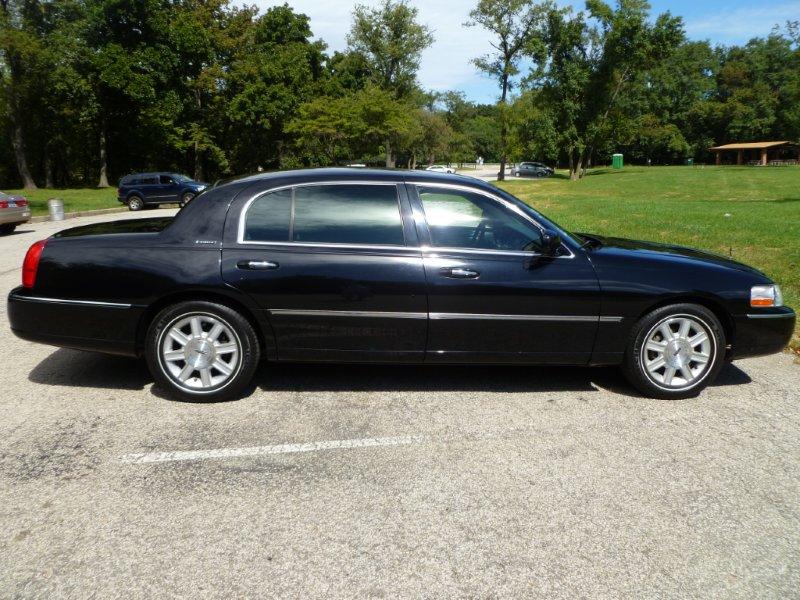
point(7, 228)
point(675, 351)
point(202, 351)
point(135, 203)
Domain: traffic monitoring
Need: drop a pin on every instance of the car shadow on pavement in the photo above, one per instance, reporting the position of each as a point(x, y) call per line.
point(85, 369)
point(89, 369)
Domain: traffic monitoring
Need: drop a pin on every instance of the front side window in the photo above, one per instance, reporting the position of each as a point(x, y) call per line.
point(348, 214)
point(331, 214)
point(461, 219)
point(165, 180)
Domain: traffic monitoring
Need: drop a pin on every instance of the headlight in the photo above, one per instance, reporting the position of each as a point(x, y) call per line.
point(766, 295)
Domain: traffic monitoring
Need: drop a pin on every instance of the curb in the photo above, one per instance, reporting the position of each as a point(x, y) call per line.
point(82, 213)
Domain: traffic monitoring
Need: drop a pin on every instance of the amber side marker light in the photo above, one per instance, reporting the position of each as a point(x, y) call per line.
point(762, 296)
point(31, 263)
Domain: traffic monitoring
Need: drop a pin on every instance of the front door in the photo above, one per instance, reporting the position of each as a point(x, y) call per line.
point(337, 269)
point(492, 297)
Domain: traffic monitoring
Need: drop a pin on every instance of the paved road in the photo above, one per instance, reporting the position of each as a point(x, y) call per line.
point(392, 482)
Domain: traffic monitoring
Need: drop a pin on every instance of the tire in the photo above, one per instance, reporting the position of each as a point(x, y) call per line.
point(221, 368)
point(690, 363)
point(7, 228)
point(185, 199)
point(135, 203)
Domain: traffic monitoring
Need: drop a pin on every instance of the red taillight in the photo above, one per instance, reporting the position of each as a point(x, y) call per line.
point(31, 264)
point(22, 202)
point(3, 203)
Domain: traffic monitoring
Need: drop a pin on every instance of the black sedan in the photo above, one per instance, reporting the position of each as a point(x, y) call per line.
point(531, 169)
point(354, 265)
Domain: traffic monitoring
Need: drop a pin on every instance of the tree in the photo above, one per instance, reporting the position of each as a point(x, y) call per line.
point(593, 58)
point(514, 25)
point(391, 41)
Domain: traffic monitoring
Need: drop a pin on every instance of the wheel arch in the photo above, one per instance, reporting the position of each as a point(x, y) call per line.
point(231, 300)
point(715, 305)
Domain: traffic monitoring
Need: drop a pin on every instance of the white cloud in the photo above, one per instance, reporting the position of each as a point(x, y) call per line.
point(445, 65)
point(738, 25)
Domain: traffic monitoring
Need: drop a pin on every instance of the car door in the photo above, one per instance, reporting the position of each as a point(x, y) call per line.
point(167, 188)
point(492, 296)
point(336, 267)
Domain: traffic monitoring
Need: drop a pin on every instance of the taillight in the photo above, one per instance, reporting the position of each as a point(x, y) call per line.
point(3, 203)
point(31, 264)
point(22, 202)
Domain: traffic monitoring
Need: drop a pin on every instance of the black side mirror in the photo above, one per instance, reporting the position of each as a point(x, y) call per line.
point(551, 242)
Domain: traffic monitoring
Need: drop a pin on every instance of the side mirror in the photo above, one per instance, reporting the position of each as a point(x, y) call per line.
point(551, 242)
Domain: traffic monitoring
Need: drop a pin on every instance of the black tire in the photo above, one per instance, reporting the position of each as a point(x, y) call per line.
point(185, 199)
point(135, 203)
point(243, 336)
point(7, 228)
point(635, 355)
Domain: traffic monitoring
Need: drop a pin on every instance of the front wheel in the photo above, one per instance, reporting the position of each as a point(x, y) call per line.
point(185, 199)
point(202, 351)
point(675, 351)
point(135, 203)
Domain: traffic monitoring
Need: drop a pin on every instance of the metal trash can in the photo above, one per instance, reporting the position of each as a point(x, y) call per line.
point(616, 161)
point(56, 208)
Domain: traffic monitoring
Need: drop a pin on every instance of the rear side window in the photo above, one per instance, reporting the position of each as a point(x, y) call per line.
point(148, 180)
point(268, 218)
point(330, 214)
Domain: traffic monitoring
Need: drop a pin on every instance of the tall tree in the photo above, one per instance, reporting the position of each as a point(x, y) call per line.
point(514, 25)
point(391, 40)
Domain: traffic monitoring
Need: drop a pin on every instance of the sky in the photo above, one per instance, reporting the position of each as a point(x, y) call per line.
point(446, 65)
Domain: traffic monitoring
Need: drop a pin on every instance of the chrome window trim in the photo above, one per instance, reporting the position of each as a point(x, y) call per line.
point(67, 301)
point(502, 201)
point(243, 215)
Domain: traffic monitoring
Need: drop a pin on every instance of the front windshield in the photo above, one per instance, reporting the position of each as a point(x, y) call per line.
point(179, 177)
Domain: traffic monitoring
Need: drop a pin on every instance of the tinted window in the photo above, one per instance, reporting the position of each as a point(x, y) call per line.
point(459, 219)
point(148, 180)
point(268, 218)
point(348, 214)
point(165, 180)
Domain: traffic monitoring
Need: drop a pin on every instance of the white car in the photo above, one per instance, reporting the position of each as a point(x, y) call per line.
point(441, 169)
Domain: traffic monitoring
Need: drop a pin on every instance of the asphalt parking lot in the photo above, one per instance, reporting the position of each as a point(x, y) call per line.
point(391, 481)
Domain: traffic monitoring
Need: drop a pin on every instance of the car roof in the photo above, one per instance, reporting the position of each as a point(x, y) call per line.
point(300, 176)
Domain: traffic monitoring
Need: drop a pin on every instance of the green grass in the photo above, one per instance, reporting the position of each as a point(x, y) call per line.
point(75, 199)
point(687, 206)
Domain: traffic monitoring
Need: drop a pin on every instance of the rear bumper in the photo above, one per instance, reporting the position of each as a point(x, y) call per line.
point(80, 324)
point(9, 216)
point(763, 332)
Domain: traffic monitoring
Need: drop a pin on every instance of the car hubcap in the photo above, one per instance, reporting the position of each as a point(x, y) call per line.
point(200, 352)
point(678, 352)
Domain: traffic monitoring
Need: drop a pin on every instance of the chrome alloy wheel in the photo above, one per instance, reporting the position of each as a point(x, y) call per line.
point(200, 352)
point(678, 352)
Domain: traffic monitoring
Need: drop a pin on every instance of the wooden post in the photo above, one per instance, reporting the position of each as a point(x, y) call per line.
point(763, 157)
point(740, 157)
point(719, 157)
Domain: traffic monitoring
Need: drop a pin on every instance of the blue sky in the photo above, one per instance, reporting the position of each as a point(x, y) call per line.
point(446, 65)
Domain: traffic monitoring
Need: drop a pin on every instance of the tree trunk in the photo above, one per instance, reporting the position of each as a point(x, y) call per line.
point(15, 68)
point(18, 143)
point(501, 174)
point(48, 169)
point(198, 158)
point(103, 182)
point(390, 162)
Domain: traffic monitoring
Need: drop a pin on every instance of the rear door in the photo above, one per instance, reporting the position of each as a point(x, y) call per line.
point(336, 267)
point(492, 297)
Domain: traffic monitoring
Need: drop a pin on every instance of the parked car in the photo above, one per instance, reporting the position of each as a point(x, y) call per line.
point(441, 169)
point(531, 169)
point(14, 210)
point(143, 189)
point(364, 265)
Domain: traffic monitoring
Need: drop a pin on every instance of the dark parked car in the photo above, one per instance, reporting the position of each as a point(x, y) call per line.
point(357, 265)
point(142, 189)
point(531, 169)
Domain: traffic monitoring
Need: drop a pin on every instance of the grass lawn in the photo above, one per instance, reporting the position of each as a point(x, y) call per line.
point(75, 199)
point(687, 206)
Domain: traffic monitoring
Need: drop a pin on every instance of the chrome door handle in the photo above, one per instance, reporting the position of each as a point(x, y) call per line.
point(459, 273)
point(257, 265)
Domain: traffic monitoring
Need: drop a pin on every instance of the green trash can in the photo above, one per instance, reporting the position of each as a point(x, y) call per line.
point(616, 161)
point(689, 162)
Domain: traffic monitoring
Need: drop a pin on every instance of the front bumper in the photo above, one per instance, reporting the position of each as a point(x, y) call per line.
point(20, 214)
point(762, 332)
point(80, 324)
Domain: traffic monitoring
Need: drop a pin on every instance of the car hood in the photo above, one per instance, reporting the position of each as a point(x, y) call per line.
point(640, 247)
point(151, 225)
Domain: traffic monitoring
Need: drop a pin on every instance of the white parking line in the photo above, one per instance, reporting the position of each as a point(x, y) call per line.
point(189, 455)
